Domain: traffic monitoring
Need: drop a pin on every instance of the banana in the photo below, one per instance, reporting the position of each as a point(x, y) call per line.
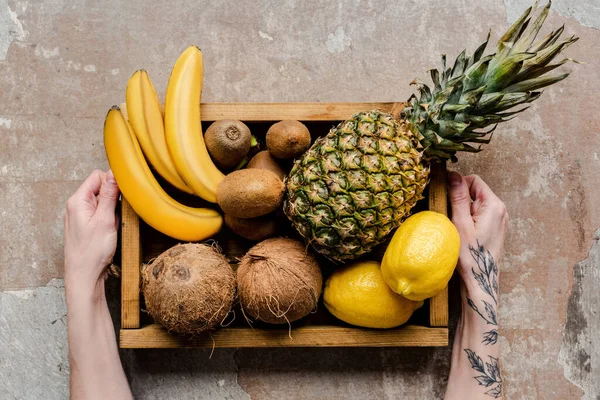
point(183, 128)
point(146, 119)
point(144, 193)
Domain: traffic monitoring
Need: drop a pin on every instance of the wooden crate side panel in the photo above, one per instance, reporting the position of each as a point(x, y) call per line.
point(280, 111)
point(154, 336)
point(438, 201)
point(130, 267)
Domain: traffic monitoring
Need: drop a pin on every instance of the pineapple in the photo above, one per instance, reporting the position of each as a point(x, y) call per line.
point(355, 185)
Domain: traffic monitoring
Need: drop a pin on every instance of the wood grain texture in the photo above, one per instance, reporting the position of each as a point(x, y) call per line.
point(438, 201)
point(251, 112)
point(397, 109)
point(130, 267)
point(155, 336)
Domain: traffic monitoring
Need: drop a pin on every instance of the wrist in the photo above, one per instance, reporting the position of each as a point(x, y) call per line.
point(84, 291)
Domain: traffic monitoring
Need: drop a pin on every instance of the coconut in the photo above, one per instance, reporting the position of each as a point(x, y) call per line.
point(279, 281)
point(189, 288)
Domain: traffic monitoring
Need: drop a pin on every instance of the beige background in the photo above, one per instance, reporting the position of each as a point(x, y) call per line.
point(64, 63)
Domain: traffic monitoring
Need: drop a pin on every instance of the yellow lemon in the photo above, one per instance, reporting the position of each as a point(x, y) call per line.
point(421, 256)
point(358, 295)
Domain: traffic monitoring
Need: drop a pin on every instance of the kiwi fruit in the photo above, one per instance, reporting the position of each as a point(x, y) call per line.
point(250, 193)
point(264, 160)
point(228, 141)
point(256, 229)
point(288, 139)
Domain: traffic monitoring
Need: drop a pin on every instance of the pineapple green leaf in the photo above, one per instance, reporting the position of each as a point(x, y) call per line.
point(536, 83)
point(473, 96)
point(447, 127)
point(479, 52)
point(502, 74)
point(512, 113)
point(489, 100)
point(539, 71)
point(475, 74)
point(456, 108)
point(460, 64)
point(545, 56)
point(435, 77)
point(507, 39)
point(529, 37)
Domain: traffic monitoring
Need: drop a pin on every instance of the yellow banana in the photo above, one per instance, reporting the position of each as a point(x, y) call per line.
point(183, 128)
point(145, 194)
point(146, 119)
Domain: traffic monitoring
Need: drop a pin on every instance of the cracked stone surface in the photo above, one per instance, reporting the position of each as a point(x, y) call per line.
point(64, 63)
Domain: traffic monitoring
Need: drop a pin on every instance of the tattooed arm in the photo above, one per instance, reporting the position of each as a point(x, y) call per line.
point(481, 220)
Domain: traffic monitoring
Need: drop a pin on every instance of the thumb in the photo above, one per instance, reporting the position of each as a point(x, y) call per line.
point(109, 194)
point(460, 201)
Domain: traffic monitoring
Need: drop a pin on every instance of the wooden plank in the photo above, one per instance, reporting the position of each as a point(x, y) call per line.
point(280, 111)
point(438, 201)
point(130, 267)
point(154, 336)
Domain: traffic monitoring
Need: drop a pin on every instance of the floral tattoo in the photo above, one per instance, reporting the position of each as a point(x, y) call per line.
point(486, 275)
point(487, 279)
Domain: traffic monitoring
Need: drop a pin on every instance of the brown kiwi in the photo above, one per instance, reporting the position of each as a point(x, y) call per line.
point(288, 139)
point(257, 229)
point(249, 193)
point(228, 141)
point(264, 160)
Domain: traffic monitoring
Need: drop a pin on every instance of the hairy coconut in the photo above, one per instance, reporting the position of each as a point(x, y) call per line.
point(189, 288)
point(279, 281)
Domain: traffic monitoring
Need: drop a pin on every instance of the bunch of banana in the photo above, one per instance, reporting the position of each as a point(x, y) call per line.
point(175, 149)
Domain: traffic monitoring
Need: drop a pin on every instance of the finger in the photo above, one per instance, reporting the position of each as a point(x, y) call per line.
point(478, 188)
point(460, 202)
point(91, 186)
point(109, 194)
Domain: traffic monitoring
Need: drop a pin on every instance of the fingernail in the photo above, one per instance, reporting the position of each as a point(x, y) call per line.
point(454, 179)
point(110, 177)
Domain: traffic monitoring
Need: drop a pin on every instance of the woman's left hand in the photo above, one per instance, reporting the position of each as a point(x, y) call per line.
point(91, 232)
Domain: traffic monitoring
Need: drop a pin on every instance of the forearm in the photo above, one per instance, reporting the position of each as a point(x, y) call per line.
point(475, 370)
point(96, 370)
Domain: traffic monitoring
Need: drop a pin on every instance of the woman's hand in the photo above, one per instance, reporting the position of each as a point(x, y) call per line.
point(481, 219)
point(91, 233)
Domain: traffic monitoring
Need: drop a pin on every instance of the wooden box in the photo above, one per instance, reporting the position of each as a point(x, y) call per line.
point(140, 243)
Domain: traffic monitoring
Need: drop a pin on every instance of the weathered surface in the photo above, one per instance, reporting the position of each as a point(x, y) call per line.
point(33, 343)
point(62, 64)
point(579, 353)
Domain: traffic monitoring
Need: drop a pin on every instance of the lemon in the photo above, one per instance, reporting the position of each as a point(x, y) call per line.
point(358, 295)
point(421, 256)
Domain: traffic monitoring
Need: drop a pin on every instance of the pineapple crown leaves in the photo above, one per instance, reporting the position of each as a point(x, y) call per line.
point(481, 91)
